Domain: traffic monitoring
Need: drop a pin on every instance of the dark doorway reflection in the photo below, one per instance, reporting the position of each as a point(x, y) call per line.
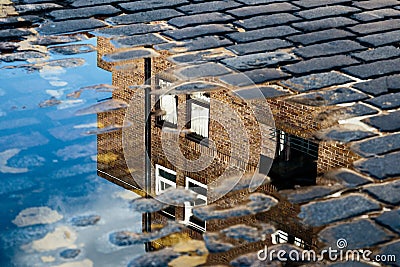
point(295, 162)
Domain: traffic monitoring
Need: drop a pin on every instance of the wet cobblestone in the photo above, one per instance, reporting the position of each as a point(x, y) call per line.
point(390, 219)
point(328, 211)
point(355, 233)
point(85, 12)
point(349, 178)
point(320, 64)
point(316, 81)
point(386, 122)
point(388, 192)
point(259, 46)
point(255, 35)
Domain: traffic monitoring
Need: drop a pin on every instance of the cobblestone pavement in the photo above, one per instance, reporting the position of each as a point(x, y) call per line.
point(307, 46)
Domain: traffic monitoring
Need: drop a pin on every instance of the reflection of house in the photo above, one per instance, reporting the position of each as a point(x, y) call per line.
point(184, 129)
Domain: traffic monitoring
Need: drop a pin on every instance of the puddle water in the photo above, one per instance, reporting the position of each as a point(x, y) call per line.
point(86, 127)
point(62, 114)
point(48, 169)
point(58, 124)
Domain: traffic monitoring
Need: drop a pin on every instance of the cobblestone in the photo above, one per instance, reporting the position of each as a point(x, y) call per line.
point(21, 56)
point(260, 60)
point(259, 46)
point(193, 20)
point(58, 39)
point(148, 16)
point(374, 4)
point(137, 40)
point(72, 49)
point(380, 86)
point(386, 122)
point(82, 3)
point(345, 135)
point(70, 26)
point(265, 21)
point(381, 38)
point(128, 55)
point(330, 48)
point(20, 21)
point(377, 146)
point(390, 219)
point(324, 212)
point(248, 11)
point(326, 11)
point(373, 27)
point(8, 46)
point(387, 192)
point(14, 33)
point(257, 2)
point(203, 70)
point(392, 248)
point(320, 64)
point(84, 12)
point(314, 3)
point(323, 24)
point(316, 81)
point(191, 32)
point(208, 7)
point(348, 178)
point(255, 35)
point(316, 37)
point(384, 52)
point(355, 233)
point(389, 101)
point(33, 8)
point(123, 31)
point(360, 109)
point(330, 97)
point(151, 5)
point(307, 194)
point(255, 76)
point(349, 264)
point(70, 253)
point(266, 91)
point(374, 69)
point(377, 14)
point(381, 167)
point(204, 42)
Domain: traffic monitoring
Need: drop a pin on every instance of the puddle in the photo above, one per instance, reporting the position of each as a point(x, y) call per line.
point(88, 121)
point(65, 129)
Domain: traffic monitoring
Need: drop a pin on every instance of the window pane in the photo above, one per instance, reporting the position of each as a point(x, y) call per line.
point(198, 189)
point(199, 202)
point(168, 104)
point(197, 221)
point(167, 175)
point(199, 119)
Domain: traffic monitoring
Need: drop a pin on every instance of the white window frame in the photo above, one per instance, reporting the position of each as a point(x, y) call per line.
point(160, 179)
point(199, 123)
point(171, 116)
point(281, 237)
point(299, 242)
point(189, 207)
point(171, 111)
